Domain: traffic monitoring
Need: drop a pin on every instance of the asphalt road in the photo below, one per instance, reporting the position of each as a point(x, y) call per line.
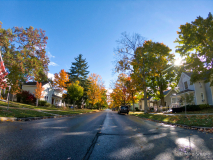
point(103, 135)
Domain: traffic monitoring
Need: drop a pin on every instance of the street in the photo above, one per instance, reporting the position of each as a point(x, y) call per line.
point(102, 135)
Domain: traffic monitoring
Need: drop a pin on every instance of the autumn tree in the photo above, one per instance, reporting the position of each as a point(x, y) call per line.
point(61, 79)
point(132, 90)
point(143, 60)
point(79, 72)
point(196, 43)
point(75, 92)
point(95, 89)
point(38, 92)
point(120, 93)
point(23, 50)
point(3, 74)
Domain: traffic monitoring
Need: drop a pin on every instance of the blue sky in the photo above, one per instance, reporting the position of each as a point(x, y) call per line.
point(91, 27)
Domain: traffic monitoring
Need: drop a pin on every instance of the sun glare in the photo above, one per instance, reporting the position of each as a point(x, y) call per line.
point(178, 62)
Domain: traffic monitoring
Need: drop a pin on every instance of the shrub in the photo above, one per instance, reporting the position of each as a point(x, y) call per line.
point(26, 97)
point(47, 105)
point(204, 106)
point(191, 108)
point(42, 103)
point(136, 109)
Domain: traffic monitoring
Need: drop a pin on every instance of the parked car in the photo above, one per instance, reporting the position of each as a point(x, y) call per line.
point(123, 109)
point(113, 109)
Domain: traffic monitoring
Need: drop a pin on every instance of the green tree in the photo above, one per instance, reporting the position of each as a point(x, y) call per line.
point(75, 92)
point(196, 43)
point(79, 72)
point(23, 52)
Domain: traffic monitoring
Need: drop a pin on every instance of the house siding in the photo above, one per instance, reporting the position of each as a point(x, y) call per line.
point(208, 93)
point(198, 92)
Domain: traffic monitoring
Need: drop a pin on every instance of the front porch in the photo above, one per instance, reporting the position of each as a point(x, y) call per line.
point(57, 101)
point(176, 99)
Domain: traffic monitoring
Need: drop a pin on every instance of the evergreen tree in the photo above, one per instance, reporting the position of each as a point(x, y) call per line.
point(79, 72)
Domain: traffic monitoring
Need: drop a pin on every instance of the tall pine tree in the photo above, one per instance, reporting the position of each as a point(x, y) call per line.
point(79, 72)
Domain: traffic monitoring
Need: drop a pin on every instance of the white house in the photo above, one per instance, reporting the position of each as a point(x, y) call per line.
point(202, 91)
point(151, 103)
point(52, 96)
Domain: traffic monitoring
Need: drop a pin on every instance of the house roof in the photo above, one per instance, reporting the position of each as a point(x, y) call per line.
point(166, 92)
point(34, 83)
point(188, 73)
point(56, 96)
point(187, 90)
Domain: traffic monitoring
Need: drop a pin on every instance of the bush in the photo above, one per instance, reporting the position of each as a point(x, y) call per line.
point(191, 108)
point(47, 105)
point(42, 103)
point(136, 109)
point(204, 106)
point(26, 97)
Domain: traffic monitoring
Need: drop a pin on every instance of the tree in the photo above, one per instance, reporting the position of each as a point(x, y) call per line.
point(160, 80)
point(75, 92)
point(95, 88)
point(196, 43)
point(120, 94)
point(38, 92)
point(23, 50)
point(132, 90)
point(3, 74)
point(79, 72)
point(61, 79)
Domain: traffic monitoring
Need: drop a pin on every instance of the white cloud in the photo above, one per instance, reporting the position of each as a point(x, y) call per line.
point(50, 55)
point(51, 76)
point(53, 64)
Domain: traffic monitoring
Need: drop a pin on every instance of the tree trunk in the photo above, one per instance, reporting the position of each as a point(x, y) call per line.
point(37, 102)
point(145, 100)
point(12, 97)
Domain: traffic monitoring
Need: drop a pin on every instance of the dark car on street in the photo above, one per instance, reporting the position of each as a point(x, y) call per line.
point(123, 109)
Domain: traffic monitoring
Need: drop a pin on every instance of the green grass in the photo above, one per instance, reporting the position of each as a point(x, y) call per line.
point(22, 105)
point(21, 113)
point(190, 120)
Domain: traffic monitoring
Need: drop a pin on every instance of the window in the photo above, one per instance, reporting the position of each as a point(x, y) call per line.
point(191, 83)
point(186, 85)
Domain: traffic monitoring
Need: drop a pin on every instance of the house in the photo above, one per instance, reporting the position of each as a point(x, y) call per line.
point(201, 91)
point(152, 103)
point(52, 96)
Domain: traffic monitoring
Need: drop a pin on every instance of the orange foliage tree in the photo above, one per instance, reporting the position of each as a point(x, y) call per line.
point(120, 94)
point(61, 79)
point(96, 89)
point(38, 92)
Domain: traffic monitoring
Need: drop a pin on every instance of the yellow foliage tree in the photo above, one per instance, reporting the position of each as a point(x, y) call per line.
point(95, 89)
point(61, 79)
point(38, 92)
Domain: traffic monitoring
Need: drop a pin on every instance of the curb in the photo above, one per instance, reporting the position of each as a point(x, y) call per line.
point(199, 128)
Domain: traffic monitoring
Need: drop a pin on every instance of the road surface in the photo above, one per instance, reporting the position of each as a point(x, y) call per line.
point(103, 135)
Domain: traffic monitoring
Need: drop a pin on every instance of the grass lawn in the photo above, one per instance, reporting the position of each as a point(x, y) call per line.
point(29, 113)
point(20, 113)
point(21, 105)
point(190, 120)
